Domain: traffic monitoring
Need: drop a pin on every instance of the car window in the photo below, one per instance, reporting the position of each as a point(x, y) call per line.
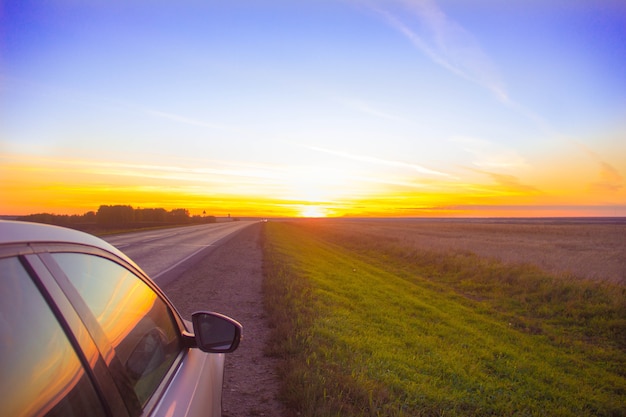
point(137, 322)
point(40, 372)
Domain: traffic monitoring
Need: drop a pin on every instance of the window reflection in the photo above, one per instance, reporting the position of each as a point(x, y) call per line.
point(40, 373)
point(137, 323)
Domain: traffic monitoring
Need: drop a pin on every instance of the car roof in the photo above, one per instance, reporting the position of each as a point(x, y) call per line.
point(26, 232)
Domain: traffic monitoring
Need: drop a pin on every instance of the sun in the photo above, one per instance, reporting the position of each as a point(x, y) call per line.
point(313, 211)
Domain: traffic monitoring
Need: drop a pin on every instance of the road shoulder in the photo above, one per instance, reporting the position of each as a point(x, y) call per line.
point(229, 281)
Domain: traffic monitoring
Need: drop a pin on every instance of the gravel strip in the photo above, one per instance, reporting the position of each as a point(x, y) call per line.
point(229, 281)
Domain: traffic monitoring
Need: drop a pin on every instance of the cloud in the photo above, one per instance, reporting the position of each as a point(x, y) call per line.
point(509, 183)
point(611, 181)
point(371, 110)
point(223, 172)
point(446, 43)
point(380, 161)
point(490, 155)
point(188, 120)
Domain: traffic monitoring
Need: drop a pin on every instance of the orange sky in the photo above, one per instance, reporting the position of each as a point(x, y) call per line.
point(577, 184)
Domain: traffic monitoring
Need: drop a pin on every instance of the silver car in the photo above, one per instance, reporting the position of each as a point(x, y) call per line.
point(84, 332)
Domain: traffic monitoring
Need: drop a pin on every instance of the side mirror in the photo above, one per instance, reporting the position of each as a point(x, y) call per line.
point(215, 333)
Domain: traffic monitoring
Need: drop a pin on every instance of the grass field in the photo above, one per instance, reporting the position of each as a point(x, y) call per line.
point(368, 323)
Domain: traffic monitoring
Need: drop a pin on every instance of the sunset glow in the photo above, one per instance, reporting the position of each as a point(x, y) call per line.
point(313, 211)
point(362, 108)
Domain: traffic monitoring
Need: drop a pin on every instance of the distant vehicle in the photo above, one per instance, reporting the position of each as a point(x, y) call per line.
point(84, 332)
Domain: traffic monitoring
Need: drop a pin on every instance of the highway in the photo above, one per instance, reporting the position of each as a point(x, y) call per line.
point(159, 252)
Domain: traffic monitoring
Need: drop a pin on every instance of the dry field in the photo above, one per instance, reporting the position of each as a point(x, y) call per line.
point(589, 249)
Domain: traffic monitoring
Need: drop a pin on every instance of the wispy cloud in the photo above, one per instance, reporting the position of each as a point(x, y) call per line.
point(188, 120)
point(445, 42)
point(490, 155)
point(379, 161)
point(107, 104)
point(371, 109)
point(202, 172)
point(610, 181)
point(510, 183)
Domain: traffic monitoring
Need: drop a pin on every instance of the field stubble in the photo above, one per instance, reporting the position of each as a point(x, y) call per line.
point(591, 250)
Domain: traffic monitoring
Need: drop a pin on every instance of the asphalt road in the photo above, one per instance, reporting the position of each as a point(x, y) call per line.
point(164, 254)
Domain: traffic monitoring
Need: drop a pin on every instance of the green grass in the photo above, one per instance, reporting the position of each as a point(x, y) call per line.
point(365, 328)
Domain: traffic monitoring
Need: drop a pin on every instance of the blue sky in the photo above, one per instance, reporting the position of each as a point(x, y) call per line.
point(318, 107)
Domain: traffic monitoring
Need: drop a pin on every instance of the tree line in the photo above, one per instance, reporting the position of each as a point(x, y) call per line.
point(120, 217)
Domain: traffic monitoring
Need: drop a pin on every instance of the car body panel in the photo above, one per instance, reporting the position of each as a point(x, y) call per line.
point(186, 394)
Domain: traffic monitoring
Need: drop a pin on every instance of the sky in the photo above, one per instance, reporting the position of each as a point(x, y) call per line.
point(314, 108)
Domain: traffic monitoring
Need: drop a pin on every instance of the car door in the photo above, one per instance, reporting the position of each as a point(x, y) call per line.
point(43, 369)
point(134, 326)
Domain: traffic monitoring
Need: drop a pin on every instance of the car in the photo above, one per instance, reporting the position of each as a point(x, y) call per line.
point(84, 331)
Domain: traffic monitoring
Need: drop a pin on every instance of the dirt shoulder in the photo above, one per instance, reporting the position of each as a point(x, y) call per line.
point(229, 281)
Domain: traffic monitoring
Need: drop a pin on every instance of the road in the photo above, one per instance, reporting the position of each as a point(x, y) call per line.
point(160, 252)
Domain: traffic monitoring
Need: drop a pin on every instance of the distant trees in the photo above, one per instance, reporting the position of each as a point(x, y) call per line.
point(151, 215)
point(115, 216)
point(61, 220)
point(179, 216)
point(121, 217)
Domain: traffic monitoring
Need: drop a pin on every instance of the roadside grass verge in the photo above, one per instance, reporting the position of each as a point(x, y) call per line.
point(368, 328)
